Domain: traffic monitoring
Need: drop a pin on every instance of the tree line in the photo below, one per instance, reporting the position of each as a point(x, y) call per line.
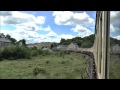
point(85, 42)
point(15, 42)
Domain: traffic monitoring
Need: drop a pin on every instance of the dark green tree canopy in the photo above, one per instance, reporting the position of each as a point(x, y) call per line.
point(86, 42)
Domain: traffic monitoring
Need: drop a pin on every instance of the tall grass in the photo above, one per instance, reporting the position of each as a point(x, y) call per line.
point(20, 52)
point(15, 52)
point(44, 67)
point(114, 69)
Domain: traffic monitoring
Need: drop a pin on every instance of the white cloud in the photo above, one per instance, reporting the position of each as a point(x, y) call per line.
point(69, 18)
point(67, 36)
point(5, 13)
point(51, 34)
point(40, 20)
point(16, 17)
point(117, 37)
point(115, 17)
point(80, 20)
point(34, 37)
point(79, 28)
point(114, 21)
point(27, 26)
point(113, 28)
point(48, 28)
point(82, 31)
point(23, 21)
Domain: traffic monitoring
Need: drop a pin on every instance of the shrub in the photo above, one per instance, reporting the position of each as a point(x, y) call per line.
point(34, 52)
point(34, 48)
point(38, 70)
point(16, 52)
point(64, 62)
point(46, 52)
point(61, 53)
point(47, 62)
point(66, 52)
point(40, 52)
point(71, 58)
point(8, 52)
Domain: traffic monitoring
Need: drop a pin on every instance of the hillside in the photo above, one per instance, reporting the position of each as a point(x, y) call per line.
point(40, 45)
point(86, 42)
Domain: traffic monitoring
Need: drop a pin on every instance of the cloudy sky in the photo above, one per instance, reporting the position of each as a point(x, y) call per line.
point(51, 26)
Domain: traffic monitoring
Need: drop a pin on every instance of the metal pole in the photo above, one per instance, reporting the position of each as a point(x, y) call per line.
point(107, 44)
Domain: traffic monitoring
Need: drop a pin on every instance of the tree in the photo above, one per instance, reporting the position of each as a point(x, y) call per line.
point(86, 45)
point(62, 40)
point(13, 40)
point(79, 42)
point(22, 42)
point(52, 45)
point(8, 36)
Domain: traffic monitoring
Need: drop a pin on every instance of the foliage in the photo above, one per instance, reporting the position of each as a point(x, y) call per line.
point(53, 45)
point(62, 53)
point(62, 41)
point(38, 70)
point(45, 52)
point(34, 52)
point(114, 69)
point(80, 41)
point(86, 45)
point(86, 42)
point(114, 41)
point(15, 42)
point(15, 52)
point(34, 48)
point(22, 42)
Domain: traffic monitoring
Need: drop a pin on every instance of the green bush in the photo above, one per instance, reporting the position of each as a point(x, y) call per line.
point(21, 52)
point(67, 52)
point(38, 70)
point(65, 62)
point(34, 48)
point(62, 53)
point(34, 52)
point(40, 52)
point(15, 52)
point(46, 52)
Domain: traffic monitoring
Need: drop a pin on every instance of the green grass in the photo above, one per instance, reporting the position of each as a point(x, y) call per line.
point(114, 67)
point(45, 67)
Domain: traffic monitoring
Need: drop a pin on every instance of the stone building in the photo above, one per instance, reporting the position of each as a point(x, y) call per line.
point(73, 46)
point(4, 41)
point(115, 48)
point(62, 47)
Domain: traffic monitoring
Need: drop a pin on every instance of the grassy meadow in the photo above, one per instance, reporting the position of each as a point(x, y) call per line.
point(45, 67)
point(24, 63)
point(114, 67)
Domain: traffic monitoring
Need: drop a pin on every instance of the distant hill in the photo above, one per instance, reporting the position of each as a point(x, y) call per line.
point(114, 41)
point(86, 42)
point(39, 45)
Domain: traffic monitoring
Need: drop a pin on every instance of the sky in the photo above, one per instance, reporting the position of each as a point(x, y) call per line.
point(51, 26)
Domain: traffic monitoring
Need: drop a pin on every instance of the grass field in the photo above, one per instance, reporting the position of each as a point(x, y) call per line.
point(45, 67)
point(53, 67)
point(114, 67)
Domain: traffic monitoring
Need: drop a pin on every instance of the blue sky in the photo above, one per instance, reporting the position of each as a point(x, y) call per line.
point(51, 26)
